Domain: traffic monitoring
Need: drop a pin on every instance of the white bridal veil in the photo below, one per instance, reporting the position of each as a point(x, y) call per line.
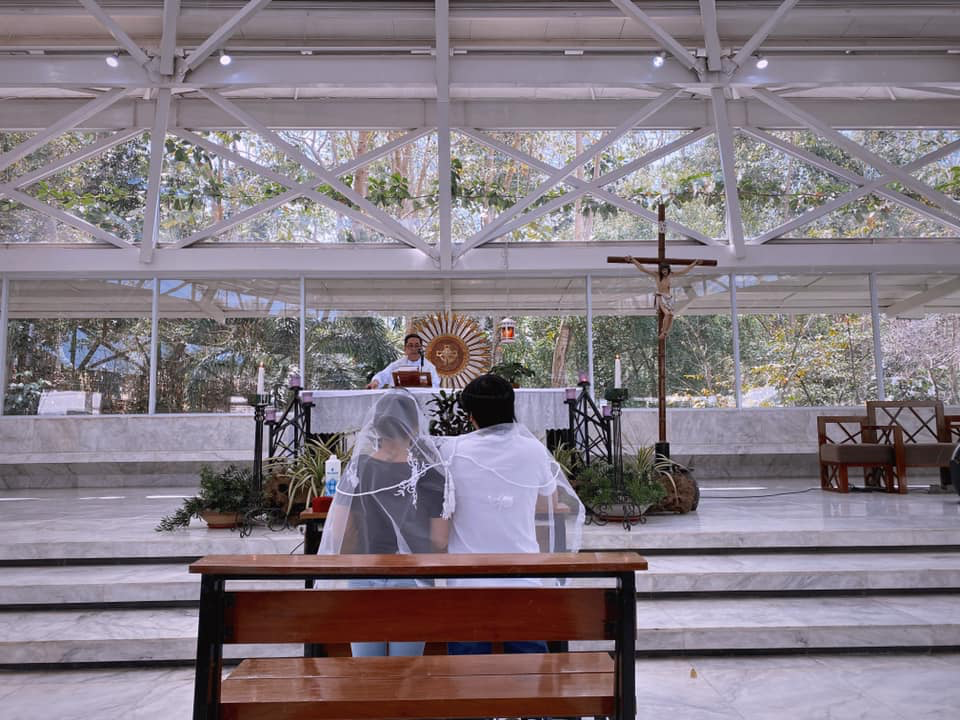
point(404, 491)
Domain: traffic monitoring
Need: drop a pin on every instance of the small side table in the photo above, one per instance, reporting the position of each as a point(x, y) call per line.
point(313, 531)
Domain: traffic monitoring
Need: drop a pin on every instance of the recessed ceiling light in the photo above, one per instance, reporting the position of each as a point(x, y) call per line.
point(113, 59)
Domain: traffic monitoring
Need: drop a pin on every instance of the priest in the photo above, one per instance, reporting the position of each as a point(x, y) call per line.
point(413, 359)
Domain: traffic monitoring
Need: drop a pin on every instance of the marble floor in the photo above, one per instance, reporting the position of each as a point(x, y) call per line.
point(766, 513)
point(83, 522)
point(807, 687)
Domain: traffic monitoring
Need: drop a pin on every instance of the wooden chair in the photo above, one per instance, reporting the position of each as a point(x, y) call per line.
point(851, 441)
point(926, 432)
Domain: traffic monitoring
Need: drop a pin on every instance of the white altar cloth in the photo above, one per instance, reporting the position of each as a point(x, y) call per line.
point(539, 409)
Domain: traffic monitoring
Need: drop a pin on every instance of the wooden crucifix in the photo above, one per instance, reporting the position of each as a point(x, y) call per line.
point(664, 302)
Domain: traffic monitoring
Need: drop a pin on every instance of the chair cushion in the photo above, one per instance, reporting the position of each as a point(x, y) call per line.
point(929, 454)
point(857, 454)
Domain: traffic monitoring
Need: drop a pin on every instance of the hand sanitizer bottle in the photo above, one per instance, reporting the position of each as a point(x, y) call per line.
point(332, 474)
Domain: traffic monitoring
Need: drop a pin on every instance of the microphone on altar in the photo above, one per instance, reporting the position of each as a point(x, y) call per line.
point(421, 358)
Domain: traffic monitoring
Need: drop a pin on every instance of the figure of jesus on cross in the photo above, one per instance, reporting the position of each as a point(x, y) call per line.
point(666, 307)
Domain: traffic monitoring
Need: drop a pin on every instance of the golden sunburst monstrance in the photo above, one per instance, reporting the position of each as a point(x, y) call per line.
point(456, 345)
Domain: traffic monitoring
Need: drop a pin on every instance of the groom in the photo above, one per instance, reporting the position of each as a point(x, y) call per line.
point(499, 472)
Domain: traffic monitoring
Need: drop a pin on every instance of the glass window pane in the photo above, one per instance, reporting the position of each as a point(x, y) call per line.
point(78, 347)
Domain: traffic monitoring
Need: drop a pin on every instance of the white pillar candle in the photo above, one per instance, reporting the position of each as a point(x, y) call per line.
point(617, 378)
point(260, 379)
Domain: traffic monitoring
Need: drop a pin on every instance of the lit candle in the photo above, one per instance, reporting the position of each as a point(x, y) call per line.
point(270, 415)
point(306, 397)
point(260, 379)
point(570, 394)
point(294, 380)
point(617, 378)
point(607, 411)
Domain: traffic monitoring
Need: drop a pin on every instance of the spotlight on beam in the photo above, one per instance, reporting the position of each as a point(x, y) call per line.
point(113, 59)
point(659, 59)
point(225, 59)
point(762, 62)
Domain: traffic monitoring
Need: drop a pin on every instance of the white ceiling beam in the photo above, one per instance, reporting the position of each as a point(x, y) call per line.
point(222, 34)
point(76, 117)
point(666, 40)
point(383, 73)
point(596, 187)
point(876, 187)
point(711, 38)
point(556, 176)
point(150, 237)
point(168, 38)
point(138, 55)
point(64, 217)
point(363, 261)
point(30, 115)
point(734, 220)
point(756, 40)
point(444, 181)
point(858, 151)
point(913, 302)
point(397, 230)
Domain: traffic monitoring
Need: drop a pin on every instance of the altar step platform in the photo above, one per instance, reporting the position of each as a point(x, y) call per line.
point(787, 574)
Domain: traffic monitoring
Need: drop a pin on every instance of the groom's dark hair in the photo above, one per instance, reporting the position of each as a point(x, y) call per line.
point(489, 400)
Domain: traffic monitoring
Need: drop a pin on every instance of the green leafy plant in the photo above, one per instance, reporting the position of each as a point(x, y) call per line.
point(448, 417)
point(567, 457)
point(596, 484)
point(512, 372)
point(307, 474)
point(23, 394)
point(229, 491)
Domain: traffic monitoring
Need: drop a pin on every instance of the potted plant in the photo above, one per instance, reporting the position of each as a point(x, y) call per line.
point(447, 416)
point(307, 474)
point(512, 372)
point(639, 489)
point(223, 496)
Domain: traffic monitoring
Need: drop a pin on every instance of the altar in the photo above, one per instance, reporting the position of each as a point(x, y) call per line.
point(540, 409)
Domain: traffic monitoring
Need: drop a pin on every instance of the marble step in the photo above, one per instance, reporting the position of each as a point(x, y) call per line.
point(772, 573)
point(781, 624)
point(111, 636)
point(95, 584)
point(663, 626)
point(799, 572)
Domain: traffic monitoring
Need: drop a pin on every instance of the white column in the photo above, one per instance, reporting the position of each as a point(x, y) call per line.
point(154, 342)
point(590, 331)
point(303, 330)
point(445, 198)
point(735, 324)
point(4, 316)
point(877, 347)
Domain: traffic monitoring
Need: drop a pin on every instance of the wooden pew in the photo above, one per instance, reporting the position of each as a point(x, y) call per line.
point(529, 685)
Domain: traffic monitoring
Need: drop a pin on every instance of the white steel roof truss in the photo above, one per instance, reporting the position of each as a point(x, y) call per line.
point(295, 188)
point(595, 187)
